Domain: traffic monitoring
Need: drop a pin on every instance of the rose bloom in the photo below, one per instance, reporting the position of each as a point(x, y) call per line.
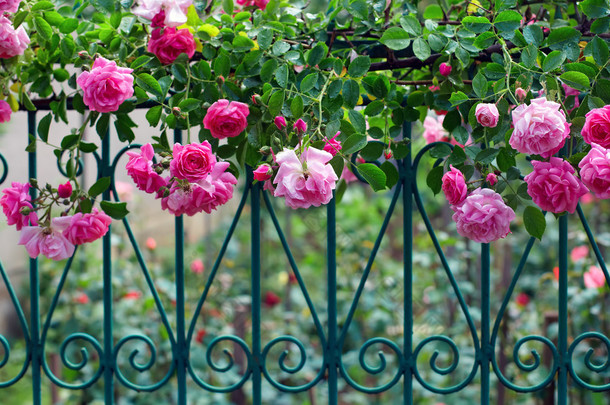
point(487, 115)
point(197, 266)
point(579, 253)
point(106, 86)
point(491, 179)
point(9, 5)
point(303, 187)
point(85, 228)
point(15, 198)
point(540, 128)
point(140, 168)
point(49, 241)
point(594, 277)
point(13, 42)
point(445, 69)
point(226, 118)
point(175, 10)
point(522, 299)
point(167, 46)
point(192, 162)
point(333, 146)
point(81, 298)
point(483, 217)
point(263, 172)
point(597, 127)
point(206, 195)
point(553, 185)
point(434, 131)
point(271, 299)
point(454, 186)
point(595, 171)
point(64, 190)
point(151, 243)
point(5, 111)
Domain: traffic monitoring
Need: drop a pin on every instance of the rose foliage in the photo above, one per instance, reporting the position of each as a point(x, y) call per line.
point(513, 98)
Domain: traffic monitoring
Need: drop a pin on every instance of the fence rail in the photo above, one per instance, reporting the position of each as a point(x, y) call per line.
point(332, 337)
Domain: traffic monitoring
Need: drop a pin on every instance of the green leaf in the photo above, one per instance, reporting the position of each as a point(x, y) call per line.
point(353, 143)
point(268, 69)
point(533, 34)
point(561, 37)
point(69, 141)
point(479, 85)
point(595, 8)
point(359, 66)
point(276, 102)
point(141, 61)
point(476, 24)
point(99, 187)
point(102, 125)
point(421, 49)
point(43, 28)
point(528, 55)
point(281, 76)
point(265, 38)
point(296, 106)
point(508, 20)
point(228, 6)
point(114, 210)
point(309, 82)
point(553, 61)
point(411, 24)
point(434, 180)
point(150, 84)
point(374, 108)
point(535, 223)
point(351, 93)
point(373, 175)
point(280, 48)
point(505, 160)
point(42, 5)
point(458, 98)
point(316, 54)
point(486, 156)
point(43, 127)
point(395, 38)
point(357, 120)
point(433, 12)
point(189, 104)
point(578, 80)
point(598, 48)
point(391, 173)
point(242, 43)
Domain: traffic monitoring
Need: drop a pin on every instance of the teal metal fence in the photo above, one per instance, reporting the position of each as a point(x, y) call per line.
point(331, 327)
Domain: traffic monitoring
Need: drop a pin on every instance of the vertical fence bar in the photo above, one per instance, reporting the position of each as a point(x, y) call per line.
point(36, 349)
point(407, 251)
point(331, 275)
point(486, 349)
point(562, 379)
point(256, 288)
point(180, 354)
point(107, 287)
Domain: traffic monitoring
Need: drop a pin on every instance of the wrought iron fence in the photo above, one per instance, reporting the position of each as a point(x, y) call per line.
point(331, 327)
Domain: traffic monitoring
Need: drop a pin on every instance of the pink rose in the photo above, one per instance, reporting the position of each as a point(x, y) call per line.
point(300, 126)
point(594, 277)
point(13, 42)
point(579, 253)
point(434, 131)
point(445, 69)
point(48, 241)
point(151, 243)
point(169, 45)
point(263, 172)
point(540, 128)
point(64, 190)
point(597, 127)
point(206, 195)
point(333, 146)
point(5, 111)
point(197, 266)
point(13, 200)
point(175, 10)
point(9, 5)
point(553, 185)
point(84, 228)
point(140, 168)
point(305, 186)
point(192, 162)
point(487, 115)
point(226, 119)
point(520, 94)
point(522, 299)
point(280, 122)
point(491, 179)
point(454, 186)
point(595, 171)
point(483, 217)
point(106, 86)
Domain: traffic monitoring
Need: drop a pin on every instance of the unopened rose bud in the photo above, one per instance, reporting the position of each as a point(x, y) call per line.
point(263, 172)
point(520, 94)
point(84, 55)
point(220, 80)
point(177, 112)
point(388, 154)
point(25, 211)
point(444, 69)
point(159, 169)
point(300, 126)
point(254, 99)
point(66, 202)
point(265, 150)
point(491, 179)
point(64, 190)
point(280, 122)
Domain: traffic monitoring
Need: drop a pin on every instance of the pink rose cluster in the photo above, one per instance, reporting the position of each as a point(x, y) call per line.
point(55, 240)
point(197, 181)
point(226, 119)
point(13, 41)
point(482, 215)
point(306, 179)
point(168, 43)
point(173, 11)
point(106, 86)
